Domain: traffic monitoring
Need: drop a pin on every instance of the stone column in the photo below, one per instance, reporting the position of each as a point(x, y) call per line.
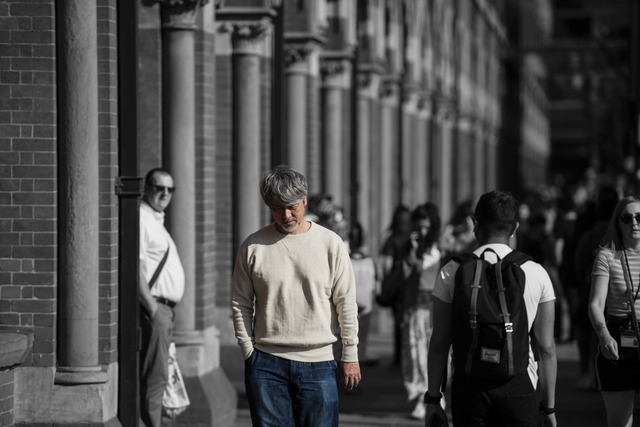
point(445, 118)
point(410, 163)
point(247, 40)
point(368, 89)
point(78, 194)
point(421, 156)
point(389, 160)
point(178, 138)
point(297, 70)
point(335, 75)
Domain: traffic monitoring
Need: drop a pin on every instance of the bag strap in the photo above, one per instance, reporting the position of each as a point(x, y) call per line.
point(632, 302)
point(473, 313)
point(506, 317)
point(159, 268)
point(516, 257)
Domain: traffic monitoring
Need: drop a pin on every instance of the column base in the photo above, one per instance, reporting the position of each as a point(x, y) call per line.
point(72, 375)
point(114, 422)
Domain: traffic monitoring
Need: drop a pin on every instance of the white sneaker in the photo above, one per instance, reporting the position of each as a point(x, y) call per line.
point(420, 411)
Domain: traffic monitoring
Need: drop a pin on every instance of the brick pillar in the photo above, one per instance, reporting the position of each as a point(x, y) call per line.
point(78, 194)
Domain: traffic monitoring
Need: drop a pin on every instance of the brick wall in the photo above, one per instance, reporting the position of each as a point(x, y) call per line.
point(27, 182)
point(28, 174)
point(223, 181)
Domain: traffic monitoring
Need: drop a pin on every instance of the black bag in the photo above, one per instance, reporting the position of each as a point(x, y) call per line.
point(391, 286)
point(490, 327)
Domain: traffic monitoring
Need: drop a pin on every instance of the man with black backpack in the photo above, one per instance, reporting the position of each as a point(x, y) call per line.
point(496, 308)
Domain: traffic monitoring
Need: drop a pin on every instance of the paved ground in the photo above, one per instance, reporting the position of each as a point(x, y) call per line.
point(381, 400)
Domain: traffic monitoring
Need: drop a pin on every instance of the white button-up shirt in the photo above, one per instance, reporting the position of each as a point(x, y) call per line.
point(154, 241)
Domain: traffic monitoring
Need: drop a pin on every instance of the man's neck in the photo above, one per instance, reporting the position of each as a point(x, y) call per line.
point(495, 240)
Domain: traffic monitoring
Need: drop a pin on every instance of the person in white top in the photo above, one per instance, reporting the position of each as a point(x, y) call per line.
point(513, 401)
point(161, 286)
point(293, 294)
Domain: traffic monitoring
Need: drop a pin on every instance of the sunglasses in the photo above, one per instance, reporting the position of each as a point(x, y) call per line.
point(161, 188)
point(628, 218)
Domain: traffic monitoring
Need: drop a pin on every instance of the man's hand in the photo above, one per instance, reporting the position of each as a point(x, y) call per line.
point(349, 374)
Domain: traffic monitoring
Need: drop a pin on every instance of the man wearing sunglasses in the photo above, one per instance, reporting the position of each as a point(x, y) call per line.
point(161, 287)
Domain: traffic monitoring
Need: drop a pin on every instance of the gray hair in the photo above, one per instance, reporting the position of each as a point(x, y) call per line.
point(283, 186)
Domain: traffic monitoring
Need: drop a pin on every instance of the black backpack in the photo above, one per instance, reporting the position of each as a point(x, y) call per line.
point(490, 327)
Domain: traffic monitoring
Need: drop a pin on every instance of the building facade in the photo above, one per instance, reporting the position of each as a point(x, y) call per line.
point(377, 102)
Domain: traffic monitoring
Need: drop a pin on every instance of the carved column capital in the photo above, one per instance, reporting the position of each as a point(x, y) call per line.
point(335, 71)
point(389, 88)
point(180, 14)
point(246, 36)
point(363, 80)
point(332, 66)
point(297, 53)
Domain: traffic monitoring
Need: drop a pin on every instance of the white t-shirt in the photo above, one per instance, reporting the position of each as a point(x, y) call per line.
point(538, 289)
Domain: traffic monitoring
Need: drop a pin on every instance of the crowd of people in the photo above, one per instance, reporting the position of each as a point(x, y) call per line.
point(568, 264)
point(564, 233)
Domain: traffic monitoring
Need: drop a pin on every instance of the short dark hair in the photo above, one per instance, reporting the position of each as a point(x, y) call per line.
point(497, 213)
point(152, 172)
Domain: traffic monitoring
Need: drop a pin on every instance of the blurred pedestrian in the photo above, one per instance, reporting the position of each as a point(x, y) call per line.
point(614, 312)
point(293, 288)
point(395, 249)
point(539, 243)
point(457, 236)
point(365, 271)
point(421, 268)
point(161, 287)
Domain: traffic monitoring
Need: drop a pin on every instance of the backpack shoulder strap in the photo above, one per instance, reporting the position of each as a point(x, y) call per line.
point(506, 317)
point(516, 257)
point(473, 311)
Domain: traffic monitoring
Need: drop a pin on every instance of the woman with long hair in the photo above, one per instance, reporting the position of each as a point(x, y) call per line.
point(394, 249)
point(421, 264)
point(614, 310)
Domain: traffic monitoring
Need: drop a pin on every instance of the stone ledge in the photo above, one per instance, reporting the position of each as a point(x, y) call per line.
point(13, 349)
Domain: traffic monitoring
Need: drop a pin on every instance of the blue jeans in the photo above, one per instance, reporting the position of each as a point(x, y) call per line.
point(286, 393)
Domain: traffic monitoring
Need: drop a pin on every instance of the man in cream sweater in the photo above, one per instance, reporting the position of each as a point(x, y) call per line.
point(293, 295)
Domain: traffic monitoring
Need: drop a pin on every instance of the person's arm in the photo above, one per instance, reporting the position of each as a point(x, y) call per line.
point(242, 296)
point(344, 299)
point(543, 329)
point(597, 301)
point(438, 355)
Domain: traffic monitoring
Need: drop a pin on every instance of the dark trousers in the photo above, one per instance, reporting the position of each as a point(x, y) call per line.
point(476, 403)
point(156, 337)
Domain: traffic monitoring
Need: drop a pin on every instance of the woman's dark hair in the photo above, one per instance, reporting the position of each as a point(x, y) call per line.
point(428, 211)
point(397, 219)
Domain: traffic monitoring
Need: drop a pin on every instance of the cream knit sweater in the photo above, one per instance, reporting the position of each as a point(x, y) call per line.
point(304, 291)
